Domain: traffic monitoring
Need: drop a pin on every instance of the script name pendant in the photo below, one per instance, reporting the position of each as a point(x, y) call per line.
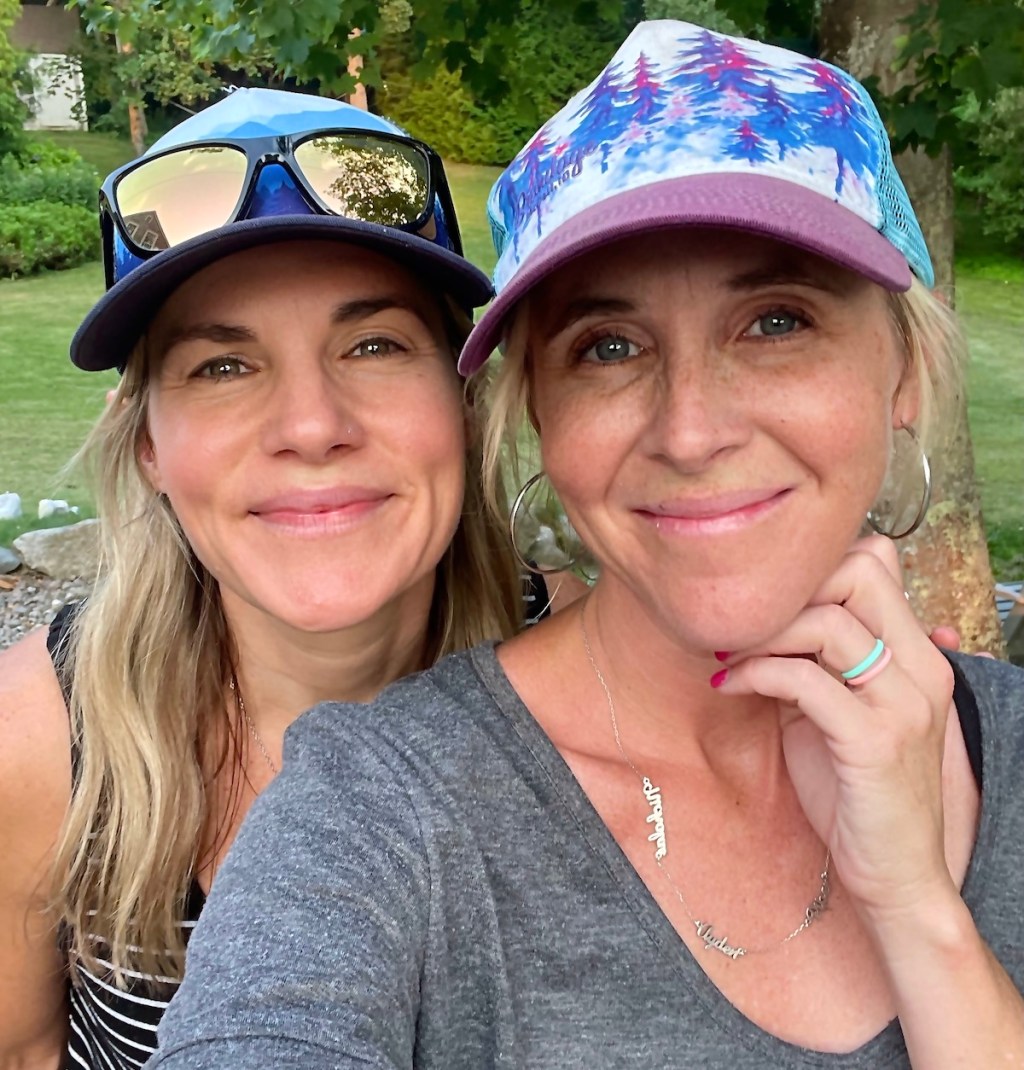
point(719, 943)
point(656, 818)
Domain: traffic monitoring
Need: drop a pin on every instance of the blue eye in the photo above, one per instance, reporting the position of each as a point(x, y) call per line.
point(610, 349)
point(774, 324)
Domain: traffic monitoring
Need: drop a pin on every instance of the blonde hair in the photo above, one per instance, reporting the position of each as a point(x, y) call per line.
point(926, 328)
point(149, 657)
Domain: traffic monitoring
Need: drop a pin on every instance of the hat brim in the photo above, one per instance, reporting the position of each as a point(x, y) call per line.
point(755, 204)
point(118, 320)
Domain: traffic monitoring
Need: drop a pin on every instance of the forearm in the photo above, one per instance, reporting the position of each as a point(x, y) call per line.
point(957, 1006)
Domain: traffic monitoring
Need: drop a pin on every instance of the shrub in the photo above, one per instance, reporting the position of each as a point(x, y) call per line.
point(443, 114)
point(995, 175)
point(34, 237)
point(44, 172)
point(553, 57)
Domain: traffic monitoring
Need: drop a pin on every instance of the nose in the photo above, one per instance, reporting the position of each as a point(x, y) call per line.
point(697, 410)
point(311, 414)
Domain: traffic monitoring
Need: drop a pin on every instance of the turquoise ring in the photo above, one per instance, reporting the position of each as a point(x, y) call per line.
point(862, 666)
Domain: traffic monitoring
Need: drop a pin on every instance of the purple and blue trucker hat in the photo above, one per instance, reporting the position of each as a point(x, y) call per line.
point(277, 212)
point(686, 127)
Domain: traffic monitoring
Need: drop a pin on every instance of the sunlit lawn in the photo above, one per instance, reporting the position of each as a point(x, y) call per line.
point(46, 405)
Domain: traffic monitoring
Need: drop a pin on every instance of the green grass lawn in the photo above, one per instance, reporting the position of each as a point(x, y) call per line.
point(105, 152)
point(46, 405)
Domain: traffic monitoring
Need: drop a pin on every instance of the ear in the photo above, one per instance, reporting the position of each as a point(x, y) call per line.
point(146, 454)
point(906, 402)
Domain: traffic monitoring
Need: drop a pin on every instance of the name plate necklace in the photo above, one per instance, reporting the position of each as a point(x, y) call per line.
point(657, 836)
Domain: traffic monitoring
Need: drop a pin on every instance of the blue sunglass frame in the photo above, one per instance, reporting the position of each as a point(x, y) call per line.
point(278, 150)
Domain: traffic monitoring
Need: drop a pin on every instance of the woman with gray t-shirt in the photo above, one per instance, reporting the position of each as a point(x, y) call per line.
point(737, 811)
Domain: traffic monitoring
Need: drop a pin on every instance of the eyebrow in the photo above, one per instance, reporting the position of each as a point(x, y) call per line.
point(347, 312)
point(582, 307)
point(785, 274)
point(210, 332)
point(363, 308)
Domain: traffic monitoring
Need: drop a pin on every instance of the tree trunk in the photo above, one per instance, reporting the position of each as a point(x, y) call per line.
point(355, 66)
point(945, 563)
point(136, 112)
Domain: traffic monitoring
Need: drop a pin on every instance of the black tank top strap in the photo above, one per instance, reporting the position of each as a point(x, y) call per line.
point(970, 720)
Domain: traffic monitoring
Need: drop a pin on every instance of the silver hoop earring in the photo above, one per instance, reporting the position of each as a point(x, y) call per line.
point(926, 496)
point(513, 516)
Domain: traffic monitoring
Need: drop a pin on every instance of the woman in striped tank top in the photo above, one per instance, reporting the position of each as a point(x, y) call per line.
point(290, 505)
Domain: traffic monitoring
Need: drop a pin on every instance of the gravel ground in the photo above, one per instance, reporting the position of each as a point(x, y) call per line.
point(33, 600)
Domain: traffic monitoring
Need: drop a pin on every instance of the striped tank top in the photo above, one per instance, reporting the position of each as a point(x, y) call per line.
point(115, 1029)
point(110, 1028)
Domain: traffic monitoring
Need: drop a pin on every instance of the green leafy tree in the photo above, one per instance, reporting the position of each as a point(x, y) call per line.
point(994, 175)
point(552, 57)
point(135, 52)
point(953, 55)
point(13, 111)
point(702, 12)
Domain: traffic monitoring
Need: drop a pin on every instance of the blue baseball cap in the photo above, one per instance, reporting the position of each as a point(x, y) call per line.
point(686, 127)
point(277, 210)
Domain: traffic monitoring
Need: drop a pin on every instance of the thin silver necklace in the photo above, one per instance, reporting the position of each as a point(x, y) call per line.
point(652, 797)
point(240, 704)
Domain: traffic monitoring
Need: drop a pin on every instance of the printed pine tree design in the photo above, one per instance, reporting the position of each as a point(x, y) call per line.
point(520, 189)
point(604, 113)
point(773, 120)
point(719, 66)
point(748, 144)
point(836, 106)
point(649, 102)
point(648, 99)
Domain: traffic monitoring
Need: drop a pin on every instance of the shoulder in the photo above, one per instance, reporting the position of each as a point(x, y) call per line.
point(998, 686)
point(35, 757)
point(998, 690)
point(34, 728)
point(448, 714)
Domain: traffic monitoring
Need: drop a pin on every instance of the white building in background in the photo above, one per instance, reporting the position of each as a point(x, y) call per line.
point(47, 34)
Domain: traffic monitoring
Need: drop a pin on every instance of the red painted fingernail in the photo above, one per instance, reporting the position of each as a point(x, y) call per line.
point(723, 655)
point(719, 678)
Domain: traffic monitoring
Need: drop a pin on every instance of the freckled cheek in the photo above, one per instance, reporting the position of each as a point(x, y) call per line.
point(584, 442)
point(842, 432)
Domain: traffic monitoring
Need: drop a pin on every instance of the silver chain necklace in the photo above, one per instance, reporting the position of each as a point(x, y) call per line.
point(240, 704)
point(652, 796)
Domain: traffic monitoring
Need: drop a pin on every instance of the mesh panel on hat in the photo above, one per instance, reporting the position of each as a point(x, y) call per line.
point(899, 223)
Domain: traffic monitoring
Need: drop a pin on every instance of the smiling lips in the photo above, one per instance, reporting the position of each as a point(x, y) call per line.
point(320, 510)
point(715, 515)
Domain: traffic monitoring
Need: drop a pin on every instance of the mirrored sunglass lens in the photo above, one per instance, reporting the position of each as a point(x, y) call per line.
point(175, 197)
point(366, 178)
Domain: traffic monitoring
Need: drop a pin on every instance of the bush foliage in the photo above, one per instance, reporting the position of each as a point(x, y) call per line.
point(553, 58)
point(44, 172)
point(35, 237)
point(995, 175)
point(47, 210)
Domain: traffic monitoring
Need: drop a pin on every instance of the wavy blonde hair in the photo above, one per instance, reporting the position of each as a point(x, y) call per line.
point(926, 329)
point(149, 658)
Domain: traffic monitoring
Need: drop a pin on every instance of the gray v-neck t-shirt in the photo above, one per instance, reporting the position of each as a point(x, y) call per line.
point(426, 885)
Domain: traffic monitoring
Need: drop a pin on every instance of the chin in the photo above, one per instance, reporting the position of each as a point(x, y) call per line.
point(730, 614)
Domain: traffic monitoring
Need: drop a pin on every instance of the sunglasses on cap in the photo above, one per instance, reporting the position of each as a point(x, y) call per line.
point(160, 201)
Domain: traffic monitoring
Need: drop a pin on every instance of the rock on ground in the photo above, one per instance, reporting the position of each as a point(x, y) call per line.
point(64, 553)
